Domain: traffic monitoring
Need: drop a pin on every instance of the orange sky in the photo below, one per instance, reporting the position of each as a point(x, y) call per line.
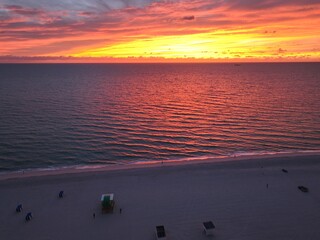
point(145, 30)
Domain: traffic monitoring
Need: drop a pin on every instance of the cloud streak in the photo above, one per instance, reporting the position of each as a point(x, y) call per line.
point(188, 18)
point(166, 29)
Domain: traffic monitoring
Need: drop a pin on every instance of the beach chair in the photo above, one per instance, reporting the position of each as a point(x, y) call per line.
point(107, 203)
point(161, 233)
point(208, 228)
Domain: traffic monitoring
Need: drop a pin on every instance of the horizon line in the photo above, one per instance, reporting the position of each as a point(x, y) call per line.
point(72, 59)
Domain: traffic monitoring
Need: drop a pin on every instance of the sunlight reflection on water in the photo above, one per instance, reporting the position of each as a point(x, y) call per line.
point(60, 115)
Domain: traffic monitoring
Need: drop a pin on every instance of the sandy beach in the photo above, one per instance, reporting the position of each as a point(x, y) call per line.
point(245, 199)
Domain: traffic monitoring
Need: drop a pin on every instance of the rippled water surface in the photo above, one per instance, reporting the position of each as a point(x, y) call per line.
point(81, 114)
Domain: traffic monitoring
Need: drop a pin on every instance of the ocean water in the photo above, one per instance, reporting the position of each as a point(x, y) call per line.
point(57, 115)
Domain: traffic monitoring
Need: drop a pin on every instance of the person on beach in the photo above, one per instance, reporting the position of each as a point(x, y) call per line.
point(28, 216)
point(94, 215)
point(61, 194)
point(19, 208)
point(120, 210)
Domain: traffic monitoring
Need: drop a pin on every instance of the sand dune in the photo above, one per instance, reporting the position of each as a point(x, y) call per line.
point(247, 199)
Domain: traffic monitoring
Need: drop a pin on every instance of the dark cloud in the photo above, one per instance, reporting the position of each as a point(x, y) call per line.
point(280, 50)
point(267, 4)
point(47, 49)
point(270, 32)
point(205, 5)
point(188, 18)
point(86, 13)
point(77, 5)
point(23, 10)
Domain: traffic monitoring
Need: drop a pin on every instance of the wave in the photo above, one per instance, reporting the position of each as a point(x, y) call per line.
point(122, 165)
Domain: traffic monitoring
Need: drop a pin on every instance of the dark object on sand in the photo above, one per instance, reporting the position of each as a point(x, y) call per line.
point(303, 189)
point(208, 227)
point(160, 232)
point(284, 170)
point(61, 194)
point(107, 202)
point(19, 208)
point(29, 216)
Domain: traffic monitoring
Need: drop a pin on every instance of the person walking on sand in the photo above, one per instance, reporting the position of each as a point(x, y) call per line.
point(94, 215)
point(61, 194)
point(29, 216)
point(120, 210)
point(19, 208)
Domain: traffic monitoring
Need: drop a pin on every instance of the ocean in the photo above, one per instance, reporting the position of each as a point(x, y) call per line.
point(60, 115)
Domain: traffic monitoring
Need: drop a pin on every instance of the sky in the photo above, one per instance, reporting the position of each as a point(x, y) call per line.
point(161, 30)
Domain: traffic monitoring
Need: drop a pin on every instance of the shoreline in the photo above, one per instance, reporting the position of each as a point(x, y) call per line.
point(83, 169)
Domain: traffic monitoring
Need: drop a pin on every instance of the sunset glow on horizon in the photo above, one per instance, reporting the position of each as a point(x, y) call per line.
point(146, 30)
